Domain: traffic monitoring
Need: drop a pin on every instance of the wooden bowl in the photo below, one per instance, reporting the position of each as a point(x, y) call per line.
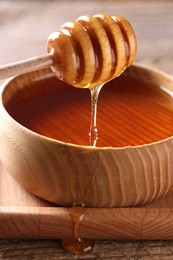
point(95, 177)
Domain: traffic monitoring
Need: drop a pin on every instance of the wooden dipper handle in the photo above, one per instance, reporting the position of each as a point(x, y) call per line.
point(25, 66)
point(84, 53)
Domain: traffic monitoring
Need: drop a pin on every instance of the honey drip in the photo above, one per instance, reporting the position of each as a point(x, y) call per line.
point(77, 245)
point(93, 134)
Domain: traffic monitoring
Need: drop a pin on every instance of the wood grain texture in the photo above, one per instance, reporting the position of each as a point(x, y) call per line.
point(24, 66)
point(22, 215)
point(51, 249)
point(153, 24)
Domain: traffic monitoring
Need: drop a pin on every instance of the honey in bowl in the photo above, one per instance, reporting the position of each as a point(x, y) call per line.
point(131, 111)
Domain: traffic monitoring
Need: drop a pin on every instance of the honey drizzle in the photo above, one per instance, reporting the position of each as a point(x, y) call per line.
point(77, 245)
point(77, 214)
point(93, 134)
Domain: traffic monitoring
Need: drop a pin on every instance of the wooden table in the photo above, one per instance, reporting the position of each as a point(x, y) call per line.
point(24, 27)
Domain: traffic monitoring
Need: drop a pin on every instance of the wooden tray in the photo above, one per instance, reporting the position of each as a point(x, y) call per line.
point(23, 215)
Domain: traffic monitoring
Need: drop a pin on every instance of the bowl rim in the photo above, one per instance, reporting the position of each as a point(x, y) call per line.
point(71, 145)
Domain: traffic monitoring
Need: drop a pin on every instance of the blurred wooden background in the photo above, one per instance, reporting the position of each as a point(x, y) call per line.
point(24, 28)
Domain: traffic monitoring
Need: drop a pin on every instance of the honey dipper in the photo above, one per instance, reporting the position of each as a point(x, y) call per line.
point(84, 53)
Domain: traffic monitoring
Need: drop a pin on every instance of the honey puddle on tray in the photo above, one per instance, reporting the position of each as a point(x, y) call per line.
point(130, 112)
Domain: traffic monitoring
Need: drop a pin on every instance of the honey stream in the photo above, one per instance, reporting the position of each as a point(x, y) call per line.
point(93, 134)
point(77, 245)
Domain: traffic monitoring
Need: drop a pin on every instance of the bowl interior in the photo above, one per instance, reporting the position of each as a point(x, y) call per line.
point(133, 109)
